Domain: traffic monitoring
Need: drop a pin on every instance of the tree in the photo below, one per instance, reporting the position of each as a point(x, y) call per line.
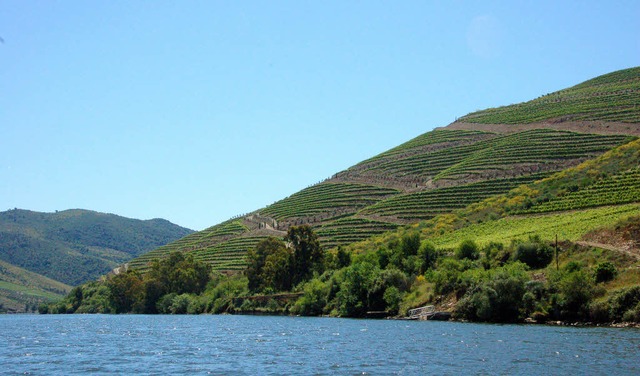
point(178, 274)
point(576, 292)
point(498, 297)
point(307, 254)
point(257, 260)
point(126, 292)
point(428, 256)
point(277, 269)
point(410, 244)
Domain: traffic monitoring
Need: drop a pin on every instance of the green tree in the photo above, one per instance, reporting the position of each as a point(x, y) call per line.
point(427, 255)
point(257, 259)
point(177, 274)
point(277, 269)
point(307, 254)
point(357, 283)
point(180, 273)
point(410, 244)
point(126, 292)
point(313, 300)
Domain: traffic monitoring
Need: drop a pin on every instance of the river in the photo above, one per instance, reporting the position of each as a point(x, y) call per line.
point(262, 345)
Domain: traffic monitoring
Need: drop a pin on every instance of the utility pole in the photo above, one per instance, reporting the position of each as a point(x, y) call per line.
point(557, 266)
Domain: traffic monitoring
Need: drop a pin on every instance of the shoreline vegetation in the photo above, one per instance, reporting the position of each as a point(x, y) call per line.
point(531, 217)
point(522, 282)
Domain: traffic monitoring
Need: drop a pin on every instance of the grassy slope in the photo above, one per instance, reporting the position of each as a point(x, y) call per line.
point(20, 287)
point(572, 226)
point(421, 178)
point(75, 246)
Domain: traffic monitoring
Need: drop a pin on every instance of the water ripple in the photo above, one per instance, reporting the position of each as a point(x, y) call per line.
point(249, 345)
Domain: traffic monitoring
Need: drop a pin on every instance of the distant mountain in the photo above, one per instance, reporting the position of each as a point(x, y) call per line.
point(75, 246)
point(482, 155)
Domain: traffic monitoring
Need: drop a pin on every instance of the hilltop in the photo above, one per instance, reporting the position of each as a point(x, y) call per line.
point(41, 250)
point(469, 218)
point(481, 155)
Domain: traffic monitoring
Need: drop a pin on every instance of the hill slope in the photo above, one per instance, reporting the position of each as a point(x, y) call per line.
point(484, 154)
point(75, 246)
point(22, 290)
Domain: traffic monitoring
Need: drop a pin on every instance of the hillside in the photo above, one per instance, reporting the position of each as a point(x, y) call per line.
point(75, 246)
point(22, 290)
point(482, 155)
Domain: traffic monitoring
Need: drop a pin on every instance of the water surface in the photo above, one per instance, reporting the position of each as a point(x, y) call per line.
point(250, 345)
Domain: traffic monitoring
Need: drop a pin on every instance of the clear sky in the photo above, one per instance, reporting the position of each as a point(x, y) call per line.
point(196, 111)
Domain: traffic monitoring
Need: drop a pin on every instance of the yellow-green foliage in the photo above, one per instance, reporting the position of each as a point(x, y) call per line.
point(568, 226)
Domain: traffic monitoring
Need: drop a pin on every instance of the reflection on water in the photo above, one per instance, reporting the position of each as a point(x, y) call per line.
point(101, 344)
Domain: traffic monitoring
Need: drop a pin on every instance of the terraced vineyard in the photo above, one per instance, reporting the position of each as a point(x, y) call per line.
point(448, 169)
point(350, 230)
point(441, 137)
point(612, 97)
point(196, 241)
point(618, 189)
point(568, 226)
point(228, 255)
point(428, 204)
point(531, 151)
point(328, 200)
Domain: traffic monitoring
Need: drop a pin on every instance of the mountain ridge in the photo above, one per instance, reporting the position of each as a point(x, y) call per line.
point(74, 246)
point(444, 169)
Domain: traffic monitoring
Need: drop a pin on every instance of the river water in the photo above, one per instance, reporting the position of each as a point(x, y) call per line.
point(259, 345)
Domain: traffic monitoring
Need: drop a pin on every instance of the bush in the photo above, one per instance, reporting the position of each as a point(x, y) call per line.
point(605, 272)
point(576, 292)
point(392, 298)
point(468, 249)
point(314, 299)
point(632, 315)
point(600, 312)
point(499, 298)
point(534, 253)
point(446, 277)
point(623, 301)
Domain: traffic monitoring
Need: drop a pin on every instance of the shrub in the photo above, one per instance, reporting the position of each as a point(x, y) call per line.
point(576, 292)
point(534, 253)
point(499, 298)
point(314, 299)
point(468, 249)
point(632, 315)
point(446, 277)
point(605, 271)
point(392, 298)
point(623, 301)
point(600, 312)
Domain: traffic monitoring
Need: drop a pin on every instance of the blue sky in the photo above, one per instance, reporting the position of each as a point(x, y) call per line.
point(196, 111)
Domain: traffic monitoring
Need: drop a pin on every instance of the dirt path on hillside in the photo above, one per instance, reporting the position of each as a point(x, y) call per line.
point(628, 251)
point(596, 127)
